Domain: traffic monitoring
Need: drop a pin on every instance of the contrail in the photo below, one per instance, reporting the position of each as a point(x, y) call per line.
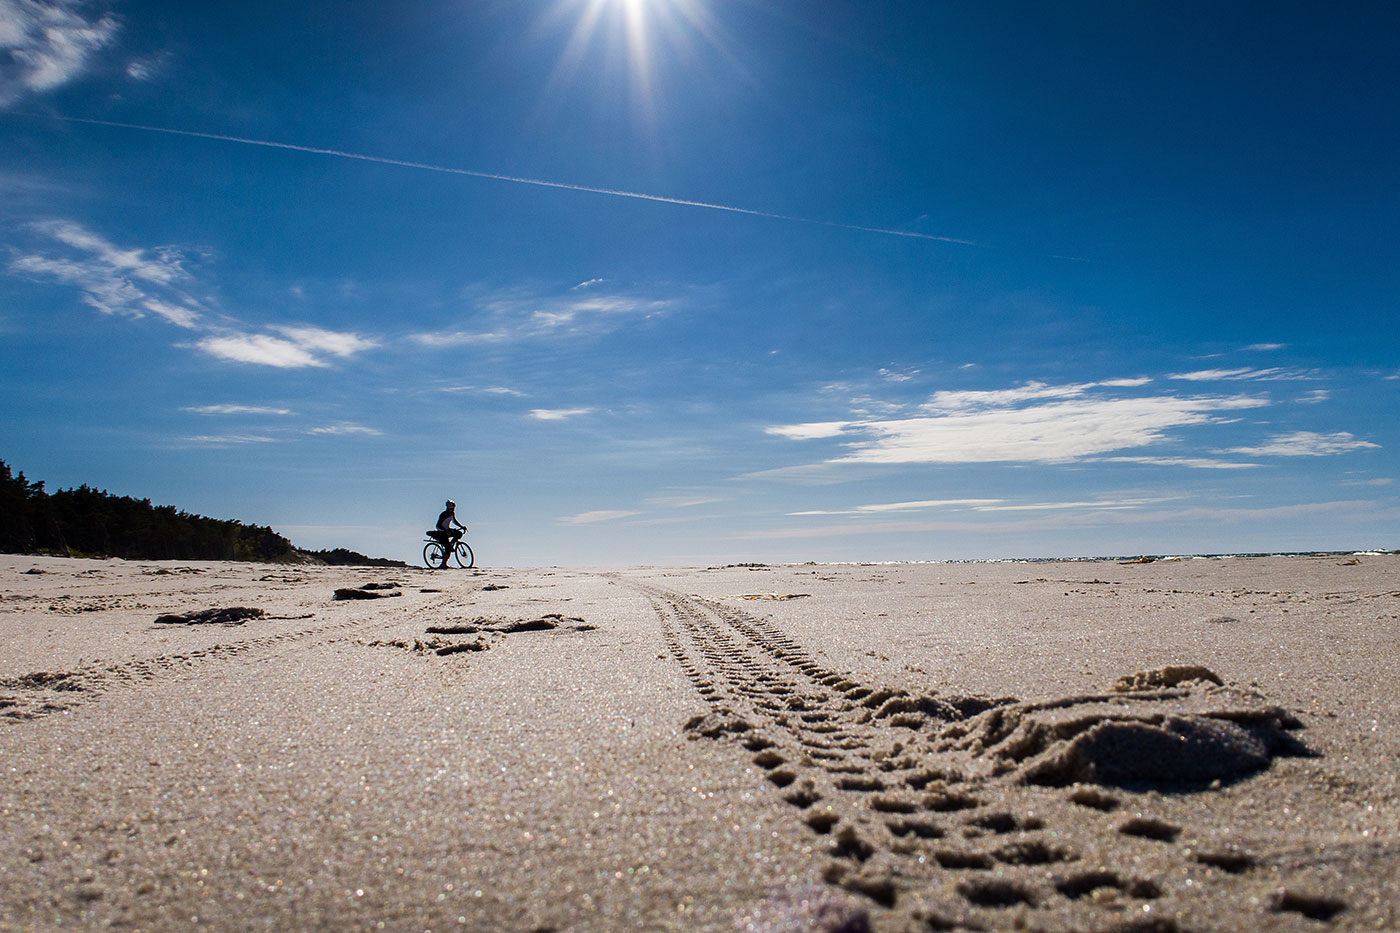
point(516, 179)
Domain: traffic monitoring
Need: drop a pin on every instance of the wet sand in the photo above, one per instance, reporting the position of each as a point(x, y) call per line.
point(1198, 745)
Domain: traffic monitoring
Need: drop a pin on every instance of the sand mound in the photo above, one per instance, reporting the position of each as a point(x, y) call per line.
point(438, 646)
point(545, 623)
point(1171, 676)
point(904, 709)
point(1180, 750)
point(1183, 730)
point(365, 592)
point(232, 615)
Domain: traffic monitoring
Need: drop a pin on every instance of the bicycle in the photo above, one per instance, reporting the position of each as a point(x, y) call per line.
point(436, 554)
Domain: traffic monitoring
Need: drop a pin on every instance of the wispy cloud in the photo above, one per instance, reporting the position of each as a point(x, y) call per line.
point(1377, 481)
point(1071, 517)
point(868, 406)
point(144, 69)
point(137, 282)
point(557, 414)
point(1055, 432)
point(1110, 505)
point(481, 390)
point(260, 349)
point(811, 430)
point(23, 186)
point(1243, 374)
point(564, 313)
point(1036, 422)
point(47, 44)
point(684, 502)
point(163, 268)
point(344, 428)
point(949, 401)
point(992, 505)
point(338, 429)
point(601, 515)
point(1264, 347)
point(114, 280)
point(842, 531)
point(898, 375)
point(179, 315)
point(297, 347)
point(516, 316)
point(235, 410)
point(446, 340)
point(914, 506)
point(804, 474)
point(1194, 463)
point(336, 343)
point(1305, 444)
point(226, 440)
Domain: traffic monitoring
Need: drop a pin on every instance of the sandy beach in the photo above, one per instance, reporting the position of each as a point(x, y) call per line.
point(1180, 745)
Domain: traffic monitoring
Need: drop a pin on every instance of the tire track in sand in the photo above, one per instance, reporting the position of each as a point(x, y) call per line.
point(41, 693)
point(965, 812)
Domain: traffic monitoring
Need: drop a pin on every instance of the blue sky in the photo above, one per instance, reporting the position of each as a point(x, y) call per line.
point(690, 281)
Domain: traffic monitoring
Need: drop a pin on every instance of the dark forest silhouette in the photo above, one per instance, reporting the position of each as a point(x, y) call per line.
point(85, 522)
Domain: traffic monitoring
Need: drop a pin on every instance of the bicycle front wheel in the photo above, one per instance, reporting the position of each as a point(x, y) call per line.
point(463, 555)
point(434, 555)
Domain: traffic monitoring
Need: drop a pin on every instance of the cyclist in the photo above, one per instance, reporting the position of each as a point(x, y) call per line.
point(445, 532)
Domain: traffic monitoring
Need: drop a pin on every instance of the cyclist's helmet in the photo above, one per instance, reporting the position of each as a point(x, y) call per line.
point(451, 504)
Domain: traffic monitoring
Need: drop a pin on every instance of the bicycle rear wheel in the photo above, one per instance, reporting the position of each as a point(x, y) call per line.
point(434, 555)
point(463, 555)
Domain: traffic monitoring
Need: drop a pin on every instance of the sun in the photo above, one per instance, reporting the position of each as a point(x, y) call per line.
point(632, 39)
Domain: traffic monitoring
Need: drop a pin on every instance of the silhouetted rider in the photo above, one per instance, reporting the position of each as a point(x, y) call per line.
point(445, 530)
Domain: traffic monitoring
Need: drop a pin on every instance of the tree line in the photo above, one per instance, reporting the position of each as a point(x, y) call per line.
point(86, 522)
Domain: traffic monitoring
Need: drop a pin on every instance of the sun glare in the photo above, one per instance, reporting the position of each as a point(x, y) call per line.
point(632, 39)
